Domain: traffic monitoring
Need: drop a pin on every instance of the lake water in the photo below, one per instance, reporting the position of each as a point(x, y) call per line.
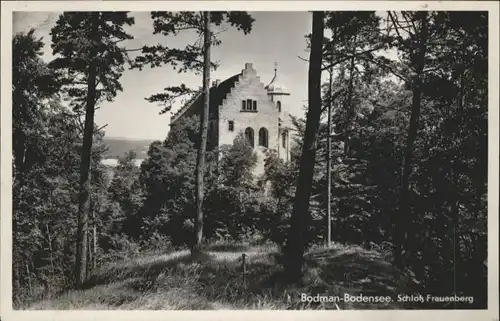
point(113, 162)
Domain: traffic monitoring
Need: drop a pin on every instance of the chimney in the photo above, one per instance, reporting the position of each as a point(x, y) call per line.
point(216, 83)
point(248, 65)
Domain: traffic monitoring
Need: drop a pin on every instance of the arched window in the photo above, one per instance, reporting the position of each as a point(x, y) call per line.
point(249, 136)
point(263, 137)
point(283, 139)
point(278, 103)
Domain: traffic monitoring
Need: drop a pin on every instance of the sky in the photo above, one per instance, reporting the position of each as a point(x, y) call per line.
point(274, 39)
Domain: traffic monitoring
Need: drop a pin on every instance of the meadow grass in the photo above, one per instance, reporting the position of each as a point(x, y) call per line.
point(215, 280)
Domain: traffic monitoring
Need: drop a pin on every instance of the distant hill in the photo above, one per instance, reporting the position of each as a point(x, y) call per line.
point(119, 146)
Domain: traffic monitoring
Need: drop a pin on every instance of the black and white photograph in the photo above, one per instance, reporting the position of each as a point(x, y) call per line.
point(250, 159)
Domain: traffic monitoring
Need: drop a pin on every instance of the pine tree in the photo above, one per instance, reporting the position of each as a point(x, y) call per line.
point(87, 46)
point(300, 219)
point(200, 159)
point(192, 58)
point(416, 46)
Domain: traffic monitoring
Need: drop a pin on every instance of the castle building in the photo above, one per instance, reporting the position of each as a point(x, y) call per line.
point(243, 104)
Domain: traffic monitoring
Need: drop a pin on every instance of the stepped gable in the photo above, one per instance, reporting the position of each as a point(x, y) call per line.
point(217, 95)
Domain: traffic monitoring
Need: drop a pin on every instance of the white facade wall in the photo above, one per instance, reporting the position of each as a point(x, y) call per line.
point(267, 115)
point(249, 86)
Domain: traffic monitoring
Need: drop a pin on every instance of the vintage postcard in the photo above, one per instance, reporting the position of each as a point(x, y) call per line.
point(253, 160)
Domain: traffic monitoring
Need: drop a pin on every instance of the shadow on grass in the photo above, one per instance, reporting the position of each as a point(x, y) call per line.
point(334, 272)
point(356, 268)
point(209, 280)
point(224, 247)
point(138, 270)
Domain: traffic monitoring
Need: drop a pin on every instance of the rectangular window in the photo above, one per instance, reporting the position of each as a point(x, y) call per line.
point(231, 125)
point(248, 105)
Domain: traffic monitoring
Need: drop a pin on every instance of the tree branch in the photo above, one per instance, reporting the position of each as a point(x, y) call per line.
point(303, 59)
point(356, 55)
point(394, 24)
point(99, 129)
point(332, 98)
point(409, 21)
point(389, 68)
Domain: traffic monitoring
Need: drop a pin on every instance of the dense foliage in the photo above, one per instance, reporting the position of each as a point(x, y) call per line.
point(424, 198)
point(46, 147)
point(444, 215)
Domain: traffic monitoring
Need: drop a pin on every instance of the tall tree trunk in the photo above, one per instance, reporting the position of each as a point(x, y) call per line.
point(89, 251)
point(300, 219)
point(92, 237)
point(350, 107)
point(84, 187)
point(19, 149)
point(30, 289)
point(49, 238)
point(19, 146)
point(457, 257)
point(455, 205)
point(329, 164)
point(200, 161)
point(17, 277)
point(94, 243)
point(404, 218)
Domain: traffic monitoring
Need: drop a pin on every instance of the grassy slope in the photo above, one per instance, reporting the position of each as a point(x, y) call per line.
point(175, 282)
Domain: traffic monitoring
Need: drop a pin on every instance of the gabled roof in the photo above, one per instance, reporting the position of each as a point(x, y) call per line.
point(217, 96)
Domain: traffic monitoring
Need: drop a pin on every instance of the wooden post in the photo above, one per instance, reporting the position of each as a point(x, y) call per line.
point(244, 267)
